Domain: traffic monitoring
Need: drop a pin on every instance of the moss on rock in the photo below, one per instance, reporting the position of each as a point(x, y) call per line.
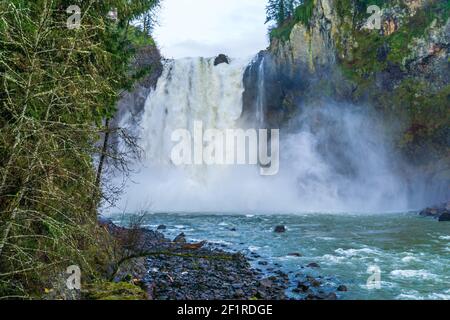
point(115, 291)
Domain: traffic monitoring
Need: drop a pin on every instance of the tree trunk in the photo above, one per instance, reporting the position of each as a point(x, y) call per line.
point(102, 156)
point(101, 164)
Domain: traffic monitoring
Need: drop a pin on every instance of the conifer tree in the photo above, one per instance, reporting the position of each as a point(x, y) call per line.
point(281, 10)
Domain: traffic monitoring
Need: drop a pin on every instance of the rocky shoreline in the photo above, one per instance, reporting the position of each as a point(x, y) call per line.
point(181, 270)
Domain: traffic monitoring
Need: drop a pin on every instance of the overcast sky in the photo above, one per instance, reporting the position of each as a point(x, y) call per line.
point(192, 28)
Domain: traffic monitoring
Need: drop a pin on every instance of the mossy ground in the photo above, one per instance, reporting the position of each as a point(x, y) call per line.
point(114, 291)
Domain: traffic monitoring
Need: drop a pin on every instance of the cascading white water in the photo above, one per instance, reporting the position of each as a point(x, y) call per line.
point(340, 166)
point(191, 89)
point(260, 99)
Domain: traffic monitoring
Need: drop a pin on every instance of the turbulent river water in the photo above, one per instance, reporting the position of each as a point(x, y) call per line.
point(412, 252)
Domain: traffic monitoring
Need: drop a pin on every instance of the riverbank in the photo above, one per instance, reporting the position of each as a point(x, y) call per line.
point(345, 246)
point(177, 269)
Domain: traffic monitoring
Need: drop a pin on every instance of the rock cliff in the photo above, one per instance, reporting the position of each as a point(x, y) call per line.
point(332, 50)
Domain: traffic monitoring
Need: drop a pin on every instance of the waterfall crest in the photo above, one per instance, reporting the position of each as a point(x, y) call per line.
point(190, 89)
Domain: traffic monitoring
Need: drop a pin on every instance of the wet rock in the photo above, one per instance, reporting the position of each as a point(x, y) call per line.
point(239, 293)
point(313, 265)
point(322, 296)
point(213, 274)
point(266, 283)
point(315, 283)
point(303, 287)
point(161, 227)
point(261, 295)
point(205, 273)
point(281, 274)
point(430, 212)
point(280, 229)
point(263, 263)
point(181, 238)
point(331, 296)
point(221, 58)
point(441, 212)
point(342, 288)
point(294, 254)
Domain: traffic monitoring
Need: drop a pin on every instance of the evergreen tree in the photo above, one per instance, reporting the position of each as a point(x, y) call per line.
point(281, 10)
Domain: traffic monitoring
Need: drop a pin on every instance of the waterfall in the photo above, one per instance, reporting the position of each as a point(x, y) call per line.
point(260, 97)
point(190, 89)
point(335, 159)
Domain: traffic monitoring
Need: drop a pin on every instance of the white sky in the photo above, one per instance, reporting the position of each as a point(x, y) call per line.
point(192, 28)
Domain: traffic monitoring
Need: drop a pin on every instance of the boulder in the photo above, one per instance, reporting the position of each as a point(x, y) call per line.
point(330, 296)
point(181, 238)
point(221, 58)
point(313, 265)
point(239, 293)
point(322, 296)
point(294, 254)
point(280, 229)
point(342, 288)
point(430, 212)
point(315, 283)
point(266, 283)
point(441, 213)
point(303, 287)
point(161, 227)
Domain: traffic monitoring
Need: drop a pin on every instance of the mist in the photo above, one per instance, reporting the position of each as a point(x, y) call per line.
point(332, 158)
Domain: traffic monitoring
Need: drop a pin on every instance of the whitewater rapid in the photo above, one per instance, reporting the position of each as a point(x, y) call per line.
point(341, 166)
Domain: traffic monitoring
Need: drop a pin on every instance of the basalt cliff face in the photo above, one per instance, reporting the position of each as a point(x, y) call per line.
point(132, 102)
point(331, 52)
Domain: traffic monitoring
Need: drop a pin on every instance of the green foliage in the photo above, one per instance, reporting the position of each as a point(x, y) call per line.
point(362, 61)
point(357, 9)
point(115, 291)
point(417, 108)
point(281, 10)
point(299, 12)
point(415, 27)
point(303, 13)
point(282, 32)
point(138, 38)
point(428, 118)
point(57, 85)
